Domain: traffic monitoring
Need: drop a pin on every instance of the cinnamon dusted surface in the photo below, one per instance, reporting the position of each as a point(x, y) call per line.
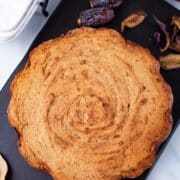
point(90, 105)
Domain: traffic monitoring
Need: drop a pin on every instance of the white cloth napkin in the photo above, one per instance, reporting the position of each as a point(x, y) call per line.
point(12, 52)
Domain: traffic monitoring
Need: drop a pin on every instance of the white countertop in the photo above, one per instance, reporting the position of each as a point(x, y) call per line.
point(11, 53)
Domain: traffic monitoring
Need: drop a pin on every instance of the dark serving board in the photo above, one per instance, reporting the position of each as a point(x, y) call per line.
point(64, 19)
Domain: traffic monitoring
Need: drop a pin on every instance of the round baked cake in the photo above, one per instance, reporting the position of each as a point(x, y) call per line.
point(90, 105)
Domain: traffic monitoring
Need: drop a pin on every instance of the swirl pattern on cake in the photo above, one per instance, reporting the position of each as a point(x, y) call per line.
point(90, 105)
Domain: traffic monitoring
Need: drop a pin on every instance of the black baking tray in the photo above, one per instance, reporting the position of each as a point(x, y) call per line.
point(62, 20)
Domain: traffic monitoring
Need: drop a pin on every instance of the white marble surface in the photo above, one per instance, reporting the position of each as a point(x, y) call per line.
point(11, 53)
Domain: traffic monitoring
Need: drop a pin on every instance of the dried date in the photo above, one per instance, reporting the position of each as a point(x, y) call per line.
point(107, 3)
point(95, 16)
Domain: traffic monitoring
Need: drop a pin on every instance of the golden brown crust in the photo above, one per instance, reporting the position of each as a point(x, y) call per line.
point(90, 105)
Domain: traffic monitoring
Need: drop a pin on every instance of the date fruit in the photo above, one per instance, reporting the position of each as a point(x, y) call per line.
point(95, 16)
point(107, 3)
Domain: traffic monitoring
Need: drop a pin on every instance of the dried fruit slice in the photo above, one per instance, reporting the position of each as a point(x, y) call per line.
point(162, 26)
point(175, 37)
point(174, 33)
point(133, 20)
point(176, 21)
point(176, 45)
point(171, 61)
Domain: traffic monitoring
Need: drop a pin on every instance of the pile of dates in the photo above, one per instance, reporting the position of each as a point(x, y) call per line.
point(100, 13)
